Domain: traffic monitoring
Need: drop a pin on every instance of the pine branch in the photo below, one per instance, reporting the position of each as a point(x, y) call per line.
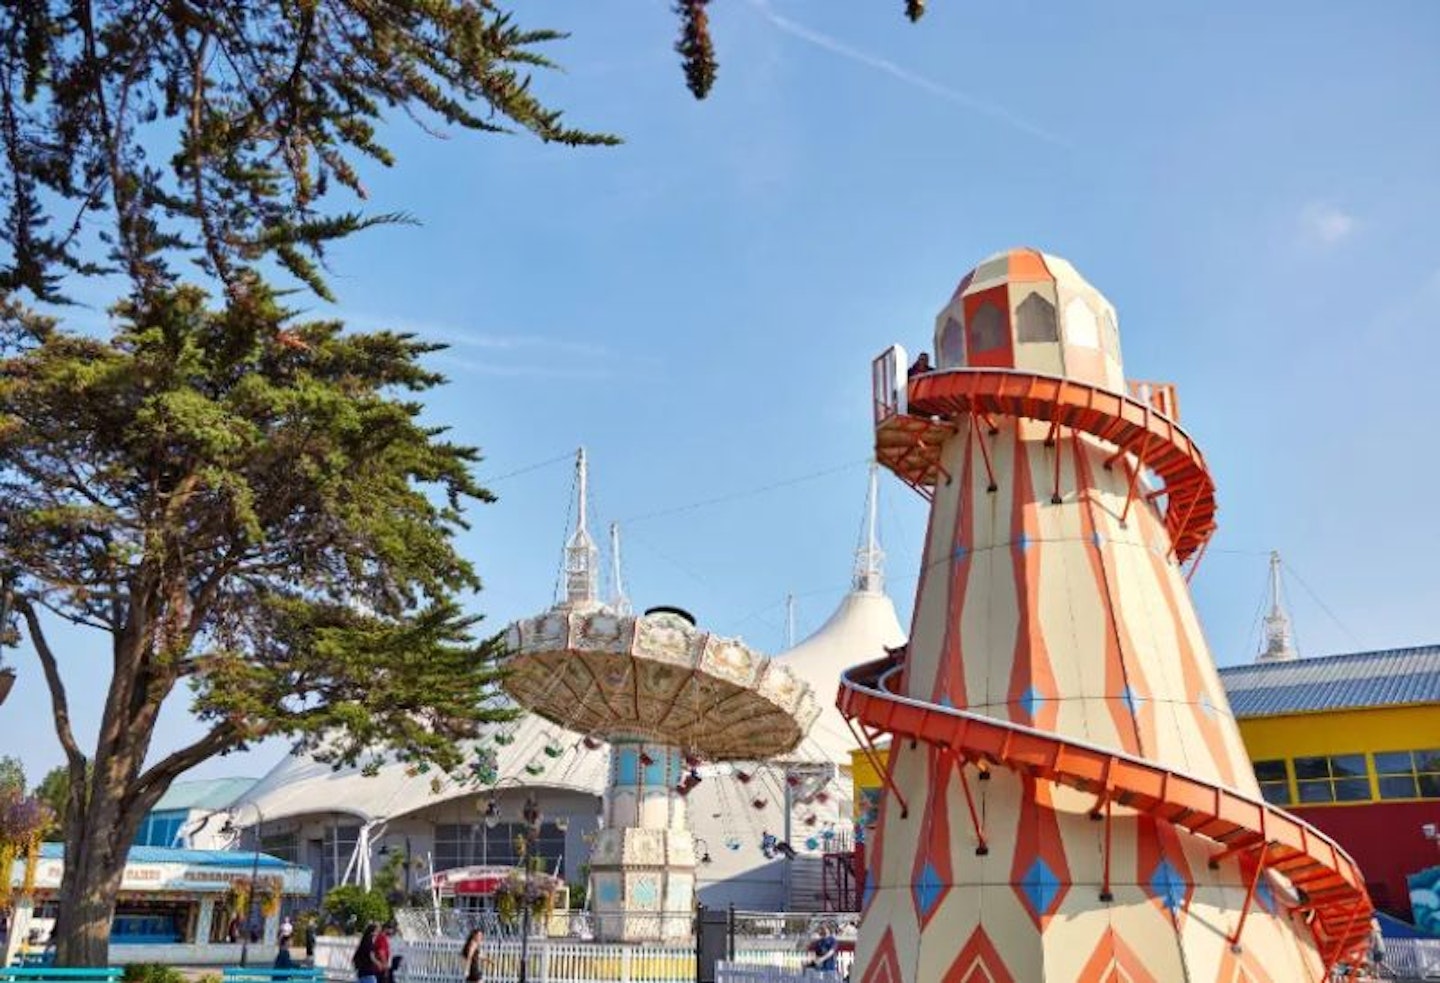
point(58, 699)
point(695, 47)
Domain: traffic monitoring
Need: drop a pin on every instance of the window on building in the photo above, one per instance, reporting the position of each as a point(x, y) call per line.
point(987, 330)
point(1338, 778)
point(160, 828)
point(1035, 320)
point(286, 846)
point(1408, 774)
point(952, 344)
point(1081, 326)
point(480, 845)
point(1274, 780)
point(1110, 335)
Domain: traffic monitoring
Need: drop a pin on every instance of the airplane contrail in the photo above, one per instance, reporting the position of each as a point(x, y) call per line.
point(838, 47)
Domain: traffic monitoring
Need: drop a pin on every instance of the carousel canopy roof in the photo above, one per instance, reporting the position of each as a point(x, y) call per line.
point(656, 677)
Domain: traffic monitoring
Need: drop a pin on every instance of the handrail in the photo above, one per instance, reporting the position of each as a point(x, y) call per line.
point(1137, 427)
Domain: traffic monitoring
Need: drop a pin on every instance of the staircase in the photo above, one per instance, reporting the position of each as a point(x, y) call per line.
point(806, 873)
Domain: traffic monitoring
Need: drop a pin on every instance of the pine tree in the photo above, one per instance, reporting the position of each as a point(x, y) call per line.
point(269, 528)
point(218, 130)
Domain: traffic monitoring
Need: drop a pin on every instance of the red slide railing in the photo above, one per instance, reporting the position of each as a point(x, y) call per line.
point(1326, 879)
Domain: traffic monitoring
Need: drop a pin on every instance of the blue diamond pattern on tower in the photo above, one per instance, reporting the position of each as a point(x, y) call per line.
point(1207, 706)
point(1133, 700)
point(1029, 700)
point(1041, 887)
point(960, 552)
point(1265, 895)
point(1023, 542)
point(1098, 539)
point(869, 889)
point(927, 890)
point(1167, 885)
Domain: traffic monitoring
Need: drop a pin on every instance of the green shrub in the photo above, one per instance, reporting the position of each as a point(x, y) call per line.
point(152, 973)
point(352, 908)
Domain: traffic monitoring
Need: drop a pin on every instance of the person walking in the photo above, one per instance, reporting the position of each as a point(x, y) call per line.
point(827, 951)
point(472, 957)
point(382, 952)
point(367, 969)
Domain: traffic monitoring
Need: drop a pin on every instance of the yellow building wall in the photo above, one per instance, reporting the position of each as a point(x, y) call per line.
point(1342, 732)
point(864, 776)
point(1338, 732)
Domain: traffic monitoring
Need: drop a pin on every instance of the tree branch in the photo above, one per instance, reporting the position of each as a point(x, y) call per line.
point(57, 685)
point(155, 780)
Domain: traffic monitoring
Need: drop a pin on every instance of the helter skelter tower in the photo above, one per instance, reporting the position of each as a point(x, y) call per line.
point(1068, 798)
point(665, 695)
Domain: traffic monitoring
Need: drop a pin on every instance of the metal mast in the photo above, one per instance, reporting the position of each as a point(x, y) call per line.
point(869, 557)
point(789, 621)
point(1279, 639)
point(582, 559)
point(620, 602)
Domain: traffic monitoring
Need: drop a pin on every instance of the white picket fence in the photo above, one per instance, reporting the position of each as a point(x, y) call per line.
point(1412, 959)
point(556, 961)
point(728, 972)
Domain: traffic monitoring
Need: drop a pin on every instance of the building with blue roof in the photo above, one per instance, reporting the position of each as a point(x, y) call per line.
point(183, 816)
point(1351, 743)
point(179, 906)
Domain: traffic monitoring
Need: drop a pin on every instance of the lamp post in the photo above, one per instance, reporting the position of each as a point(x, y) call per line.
point(231, 828)
point(530, 813)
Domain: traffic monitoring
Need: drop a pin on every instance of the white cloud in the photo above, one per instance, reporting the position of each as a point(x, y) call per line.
point(837, 47)
point(1324, 224)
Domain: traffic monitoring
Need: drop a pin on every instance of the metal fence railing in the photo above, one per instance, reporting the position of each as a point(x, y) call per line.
point(1411, 959)
point(738, 972)
point(564, 961)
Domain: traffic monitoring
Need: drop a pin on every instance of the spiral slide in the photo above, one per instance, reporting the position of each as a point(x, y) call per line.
point(1326, 878)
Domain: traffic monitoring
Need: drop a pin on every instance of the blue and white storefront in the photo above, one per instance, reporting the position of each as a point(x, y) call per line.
point(175, 906)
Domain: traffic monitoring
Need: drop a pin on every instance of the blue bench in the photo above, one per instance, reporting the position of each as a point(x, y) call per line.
point(269, 974)
point(46, 958)
point(59, 974)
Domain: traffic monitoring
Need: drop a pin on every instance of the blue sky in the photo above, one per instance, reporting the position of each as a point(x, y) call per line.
point(1254, 187)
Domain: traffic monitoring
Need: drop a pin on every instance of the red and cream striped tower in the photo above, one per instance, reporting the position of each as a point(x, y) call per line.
point(1068, 798)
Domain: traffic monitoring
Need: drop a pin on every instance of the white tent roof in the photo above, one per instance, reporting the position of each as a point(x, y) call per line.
point(860, 630)
point(299, 785)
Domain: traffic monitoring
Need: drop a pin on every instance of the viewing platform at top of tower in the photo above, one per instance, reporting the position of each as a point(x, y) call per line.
point(1025, 336)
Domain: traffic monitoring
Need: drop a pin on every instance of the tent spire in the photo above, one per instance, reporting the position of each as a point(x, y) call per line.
point(1279, 639)
point(869, 557)
point(582, 559)
point(619, 601)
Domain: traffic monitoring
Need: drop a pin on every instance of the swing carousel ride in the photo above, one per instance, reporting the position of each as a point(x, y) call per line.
point(668, 697)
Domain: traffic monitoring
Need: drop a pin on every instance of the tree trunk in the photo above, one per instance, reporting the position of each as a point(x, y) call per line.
point(87, 907)
point(100, 824)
